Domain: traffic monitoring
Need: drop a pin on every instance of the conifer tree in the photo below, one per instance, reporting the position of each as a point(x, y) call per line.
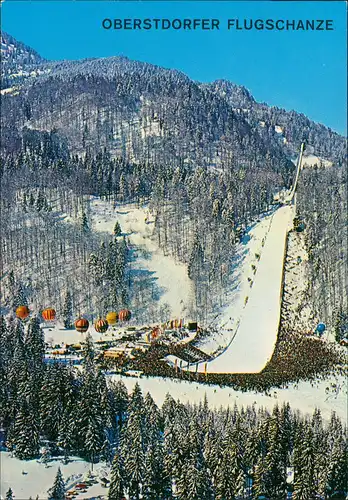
point(133, 444)
point(156, 481)
point(17, 373)
point(11, 290)
point(251, 454)
point(66, 438)
point(196, 262)
point(120, 402)
point(19, 298)
point(275, 462)
point(68, 311)
point(304, 480)
point(286, 432)
point(90, 419)
point(9, 494)
point(259, 485)
point(31, 199)
point(212, 451)
point(40, 201)
point(35, 343)
point(168, 408)
point(89, 354)
point(106, 451)
point(84, 223)
point(194, 483)
point(57, 492)
point(337, 471)
point(229, 474)
point(94, 436)
point(26, 435)
point(117, 229)
point(320, 452)
point(51, 402)
point(134, 454)
point(11, 280)
point(6, 344)
point(116, 490)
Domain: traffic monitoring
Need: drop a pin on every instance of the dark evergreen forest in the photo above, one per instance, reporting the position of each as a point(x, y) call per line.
point(177, 451)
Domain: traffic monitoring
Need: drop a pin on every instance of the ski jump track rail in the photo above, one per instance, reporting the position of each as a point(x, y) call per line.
point(299, 164)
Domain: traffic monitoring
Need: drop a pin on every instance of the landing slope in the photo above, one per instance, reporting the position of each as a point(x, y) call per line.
point(256, 336)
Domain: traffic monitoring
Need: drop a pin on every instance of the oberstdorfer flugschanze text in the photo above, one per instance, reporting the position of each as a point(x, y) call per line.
point(216, 24)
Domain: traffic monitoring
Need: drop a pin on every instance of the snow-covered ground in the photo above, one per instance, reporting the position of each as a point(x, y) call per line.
point(7, 91)
point(37, 479)
point(312, 160)
point(247, 323)
point(253, 321)
point(328, 395)
point(57, 334)
point(171, 276)
point(280, 132)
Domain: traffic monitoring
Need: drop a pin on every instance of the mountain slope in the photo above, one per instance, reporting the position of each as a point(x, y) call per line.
point(277, 124)
point(142, 113)
point(16, 53)
point(146, 113)
point(17, 61)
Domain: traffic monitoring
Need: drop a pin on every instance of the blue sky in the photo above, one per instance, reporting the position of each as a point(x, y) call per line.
point(305, 71)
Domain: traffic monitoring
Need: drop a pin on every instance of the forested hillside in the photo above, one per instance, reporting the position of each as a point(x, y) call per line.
point(195, 211)
point(322, 200)
point(141, 113)
point(135, 108)
point(205, 158)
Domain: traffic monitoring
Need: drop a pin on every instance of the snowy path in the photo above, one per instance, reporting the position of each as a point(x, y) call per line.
point(256, 332)
point(171, 276)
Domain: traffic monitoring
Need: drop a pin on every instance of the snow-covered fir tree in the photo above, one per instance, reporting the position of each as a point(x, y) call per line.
point(19, 297)
point(84, 223)
point(9, 494)
point(57, 492)
point(68, 310)
point(117, 229)
point(133, 445)
point(116, 490)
